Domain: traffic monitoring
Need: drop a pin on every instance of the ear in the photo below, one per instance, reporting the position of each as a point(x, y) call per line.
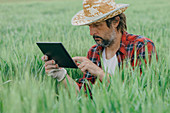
point(116, 21)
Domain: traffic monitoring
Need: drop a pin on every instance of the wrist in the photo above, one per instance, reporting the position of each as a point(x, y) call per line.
point(58, 74)
point(101, 74)
point(62, 76)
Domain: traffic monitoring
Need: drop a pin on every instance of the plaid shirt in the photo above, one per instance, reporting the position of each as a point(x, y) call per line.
point(128, 45)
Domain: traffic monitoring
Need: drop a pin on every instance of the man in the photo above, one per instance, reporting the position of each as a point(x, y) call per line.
point(107, 24)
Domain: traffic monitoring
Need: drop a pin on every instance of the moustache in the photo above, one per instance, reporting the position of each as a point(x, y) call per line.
point(94, 36)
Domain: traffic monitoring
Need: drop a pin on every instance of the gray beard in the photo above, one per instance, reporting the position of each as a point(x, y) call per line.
point(106, 43)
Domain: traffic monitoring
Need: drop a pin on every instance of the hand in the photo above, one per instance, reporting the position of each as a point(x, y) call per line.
point(53, 69)
point(87, 65)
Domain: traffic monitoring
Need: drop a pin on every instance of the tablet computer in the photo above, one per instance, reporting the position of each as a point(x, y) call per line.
point(57, 52)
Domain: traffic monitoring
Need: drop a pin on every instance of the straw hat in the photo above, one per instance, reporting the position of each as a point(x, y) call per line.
point(97, 11)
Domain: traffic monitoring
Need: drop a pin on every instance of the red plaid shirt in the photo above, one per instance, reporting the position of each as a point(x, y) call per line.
point(129, 43)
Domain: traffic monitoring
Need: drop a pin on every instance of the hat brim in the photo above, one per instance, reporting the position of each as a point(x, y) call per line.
point(80, 19)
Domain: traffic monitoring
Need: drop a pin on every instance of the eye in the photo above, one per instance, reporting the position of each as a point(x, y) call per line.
point(96, 25)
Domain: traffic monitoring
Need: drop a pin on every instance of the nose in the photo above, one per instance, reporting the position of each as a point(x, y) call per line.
point(92, 30)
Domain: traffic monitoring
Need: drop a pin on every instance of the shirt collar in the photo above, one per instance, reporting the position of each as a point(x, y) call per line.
point(123, 43)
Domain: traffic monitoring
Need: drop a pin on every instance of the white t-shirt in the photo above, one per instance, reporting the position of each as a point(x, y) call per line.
point(110, 64)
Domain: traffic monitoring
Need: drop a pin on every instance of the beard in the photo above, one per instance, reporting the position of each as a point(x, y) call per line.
point(105, 42)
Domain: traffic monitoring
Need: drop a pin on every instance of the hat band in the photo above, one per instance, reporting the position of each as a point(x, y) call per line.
point(104, 15)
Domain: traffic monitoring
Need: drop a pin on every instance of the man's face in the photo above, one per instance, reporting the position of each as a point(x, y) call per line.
point(103, 35)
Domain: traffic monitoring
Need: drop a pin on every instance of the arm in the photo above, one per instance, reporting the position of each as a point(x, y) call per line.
point(71, 82)
point(141, 53)
point(60, 74)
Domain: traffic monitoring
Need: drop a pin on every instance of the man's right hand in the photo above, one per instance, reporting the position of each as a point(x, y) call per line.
point(49, 64)
point(53, 70)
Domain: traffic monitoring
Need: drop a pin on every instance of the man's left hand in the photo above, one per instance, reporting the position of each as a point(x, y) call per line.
point(87, 65)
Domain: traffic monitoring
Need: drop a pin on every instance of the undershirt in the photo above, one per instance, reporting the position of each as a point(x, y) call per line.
point(109, 64)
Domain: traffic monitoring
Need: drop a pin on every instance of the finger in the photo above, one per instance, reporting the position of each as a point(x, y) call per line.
point(49, 67)
point(79, 59)
point(47, 71)
point(44, 58)
point(84, 69)
point(50, 62)
point(82, 65)
point(77, 64)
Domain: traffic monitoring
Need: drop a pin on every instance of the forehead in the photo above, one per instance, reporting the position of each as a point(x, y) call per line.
point(97, 23)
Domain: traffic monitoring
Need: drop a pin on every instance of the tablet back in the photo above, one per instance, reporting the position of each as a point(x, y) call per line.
point(57, 52)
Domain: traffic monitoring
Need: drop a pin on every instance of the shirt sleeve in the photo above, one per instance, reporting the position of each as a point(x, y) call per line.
point(141, 49)
point(92, 55)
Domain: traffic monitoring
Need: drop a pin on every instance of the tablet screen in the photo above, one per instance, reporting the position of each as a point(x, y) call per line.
point(57, 52)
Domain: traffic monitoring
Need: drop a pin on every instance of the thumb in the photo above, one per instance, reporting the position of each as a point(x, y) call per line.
point(79, 59)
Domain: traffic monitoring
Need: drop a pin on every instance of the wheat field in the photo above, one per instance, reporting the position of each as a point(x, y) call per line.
point(24, 86)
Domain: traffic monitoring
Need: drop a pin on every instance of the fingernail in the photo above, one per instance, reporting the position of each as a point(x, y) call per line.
point(56, 65)
point(46, 57)
point(53, 62)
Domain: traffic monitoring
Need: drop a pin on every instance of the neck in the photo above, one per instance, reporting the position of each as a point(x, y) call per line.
point(113, 48)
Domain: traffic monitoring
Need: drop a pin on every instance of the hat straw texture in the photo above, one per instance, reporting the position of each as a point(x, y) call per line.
point(97, 10)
